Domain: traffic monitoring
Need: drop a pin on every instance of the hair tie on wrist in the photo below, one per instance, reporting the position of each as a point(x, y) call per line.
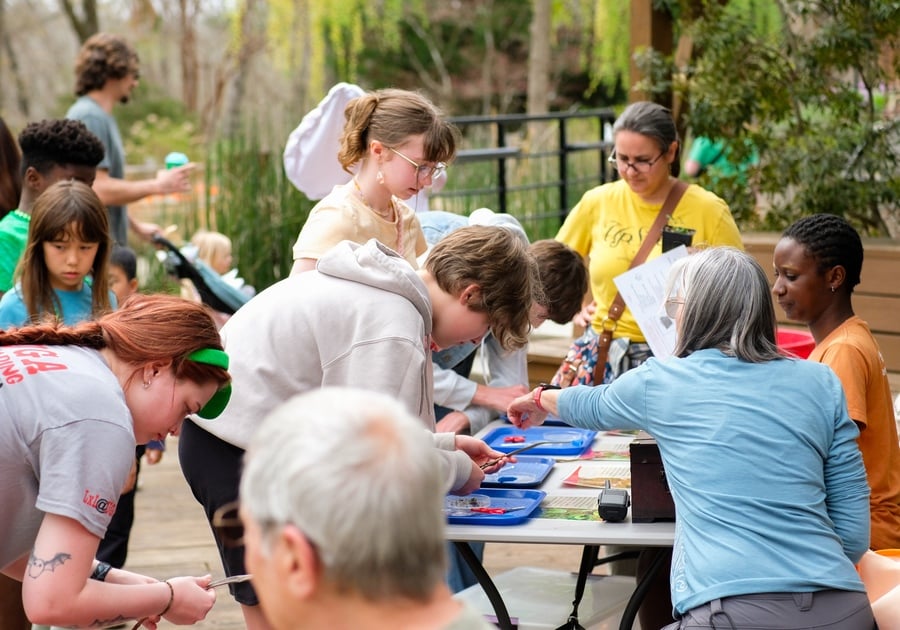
point(101, 571)
point(171, 598)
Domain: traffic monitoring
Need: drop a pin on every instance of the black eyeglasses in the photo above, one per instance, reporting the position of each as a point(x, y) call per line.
point(640, 166)
point(423, 170)
point(229, 528)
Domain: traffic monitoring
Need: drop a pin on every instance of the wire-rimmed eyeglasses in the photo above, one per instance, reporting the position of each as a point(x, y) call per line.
point(423, 170)
point(640, 166)
point(672, 305)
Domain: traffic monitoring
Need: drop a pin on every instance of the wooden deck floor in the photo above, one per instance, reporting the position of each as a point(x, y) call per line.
point(171, 537)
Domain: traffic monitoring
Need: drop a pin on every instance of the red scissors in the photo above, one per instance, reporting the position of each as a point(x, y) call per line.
point(494, 510)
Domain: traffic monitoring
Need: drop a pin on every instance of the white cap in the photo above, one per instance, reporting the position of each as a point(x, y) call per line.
point(310, 156)
point(486, 216)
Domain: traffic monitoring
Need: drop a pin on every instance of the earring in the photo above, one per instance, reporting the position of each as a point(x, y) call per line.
point(146, 384)
point(379, 177)
point(832, 289)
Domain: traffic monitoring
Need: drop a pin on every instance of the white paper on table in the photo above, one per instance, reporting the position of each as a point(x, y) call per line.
point(643, 289)
point(613, 470)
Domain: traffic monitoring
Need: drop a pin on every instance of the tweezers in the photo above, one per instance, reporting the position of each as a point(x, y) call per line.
point(234, 579)
point(522, 448)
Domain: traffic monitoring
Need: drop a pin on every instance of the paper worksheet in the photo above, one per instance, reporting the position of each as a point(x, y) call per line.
point(643, 289)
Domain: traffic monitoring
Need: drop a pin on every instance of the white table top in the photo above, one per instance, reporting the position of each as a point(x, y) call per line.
point(567, 532)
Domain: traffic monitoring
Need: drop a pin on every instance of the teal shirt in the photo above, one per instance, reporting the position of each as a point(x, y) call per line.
point(13, 236)
point(103, 125)
point(715, 156)
point(76, 306)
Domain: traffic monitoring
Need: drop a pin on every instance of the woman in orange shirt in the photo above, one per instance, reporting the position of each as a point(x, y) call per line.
point(817, 263)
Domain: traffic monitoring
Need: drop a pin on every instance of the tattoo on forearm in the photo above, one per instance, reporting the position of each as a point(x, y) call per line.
point(101, 623)
point(37, 566)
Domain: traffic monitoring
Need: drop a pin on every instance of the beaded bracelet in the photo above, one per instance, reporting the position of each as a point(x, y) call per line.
point(171, 598)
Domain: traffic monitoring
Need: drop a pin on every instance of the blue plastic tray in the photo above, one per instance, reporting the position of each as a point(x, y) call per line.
point(503, 498)
point(573, 441)
point(527, 472)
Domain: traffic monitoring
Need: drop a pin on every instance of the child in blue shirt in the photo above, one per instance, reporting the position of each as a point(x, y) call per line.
point(63, 272)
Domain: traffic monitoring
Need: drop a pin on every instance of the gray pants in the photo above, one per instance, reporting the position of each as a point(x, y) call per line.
point(830, 609)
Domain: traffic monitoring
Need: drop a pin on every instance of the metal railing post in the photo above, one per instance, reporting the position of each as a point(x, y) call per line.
point(501, 167)
point(563, 171)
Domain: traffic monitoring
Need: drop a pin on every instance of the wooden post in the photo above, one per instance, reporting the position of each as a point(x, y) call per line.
point(649, 29)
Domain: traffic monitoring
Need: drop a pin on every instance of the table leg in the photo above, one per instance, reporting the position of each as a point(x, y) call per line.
point(490, 589)
point(640, 590)
point(588, 560)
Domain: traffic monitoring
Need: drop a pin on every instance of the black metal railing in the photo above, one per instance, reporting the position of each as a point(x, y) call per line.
point(536, 176)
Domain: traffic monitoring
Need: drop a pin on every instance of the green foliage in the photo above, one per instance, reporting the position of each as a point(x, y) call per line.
point(153, 276)
point(805, 97)
point(612, 38)
point(250, 199)
point(345, 24)
point(152, 125)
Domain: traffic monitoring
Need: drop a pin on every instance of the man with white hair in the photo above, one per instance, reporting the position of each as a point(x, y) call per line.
point(341, 500)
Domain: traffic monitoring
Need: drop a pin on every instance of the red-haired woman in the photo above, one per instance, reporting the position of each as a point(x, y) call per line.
point(75, 401)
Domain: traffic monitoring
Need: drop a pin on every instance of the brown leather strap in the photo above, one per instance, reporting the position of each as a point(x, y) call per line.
point(618, 304)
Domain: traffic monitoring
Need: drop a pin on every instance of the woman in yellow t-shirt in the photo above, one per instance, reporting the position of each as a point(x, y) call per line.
point(609, 223)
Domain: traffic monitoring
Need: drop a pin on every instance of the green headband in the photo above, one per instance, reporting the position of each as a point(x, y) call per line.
point(219, 400)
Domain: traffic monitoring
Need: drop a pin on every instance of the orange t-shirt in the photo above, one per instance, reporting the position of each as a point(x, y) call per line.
point(852, 352)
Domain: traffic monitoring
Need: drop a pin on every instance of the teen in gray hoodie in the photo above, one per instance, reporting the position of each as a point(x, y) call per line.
point(364, 318)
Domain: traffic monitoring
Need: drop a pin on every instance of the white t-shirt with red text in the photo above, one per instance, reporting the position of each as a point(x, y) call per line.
point(66, 442)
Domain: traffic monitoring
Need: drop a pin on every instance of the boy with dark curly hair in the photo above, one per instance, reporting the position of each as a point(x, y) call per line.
point(52, 150)
point(106, 73)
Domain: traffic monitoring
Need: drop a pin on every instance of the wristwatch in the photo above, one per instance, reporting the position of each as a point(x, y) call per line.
point(540, 390)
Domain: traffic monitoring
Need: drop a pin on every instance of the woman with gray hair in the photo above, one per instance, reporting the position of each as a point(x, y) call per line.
point(760, 456)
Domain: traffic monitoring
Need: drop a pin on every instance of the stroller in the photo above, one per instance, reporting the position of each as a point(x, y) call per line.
point(213, 290)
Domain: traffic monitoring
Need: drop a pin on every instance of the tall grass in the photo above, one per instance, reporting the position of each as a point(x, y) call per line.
point(250, 199)
point(247, 197)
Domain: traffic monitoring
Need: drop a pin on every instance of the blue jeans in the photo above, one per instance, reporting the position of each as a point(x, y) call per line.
point(459, 575)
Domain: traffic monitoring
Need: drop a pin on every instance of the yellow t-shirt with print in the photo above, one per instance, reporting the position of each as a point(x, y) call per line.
point(609, 224)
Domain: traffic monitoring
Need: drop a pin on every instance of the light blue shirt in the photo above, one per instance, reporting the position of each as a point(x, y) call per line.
point(761, 458)
point(75, 306)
